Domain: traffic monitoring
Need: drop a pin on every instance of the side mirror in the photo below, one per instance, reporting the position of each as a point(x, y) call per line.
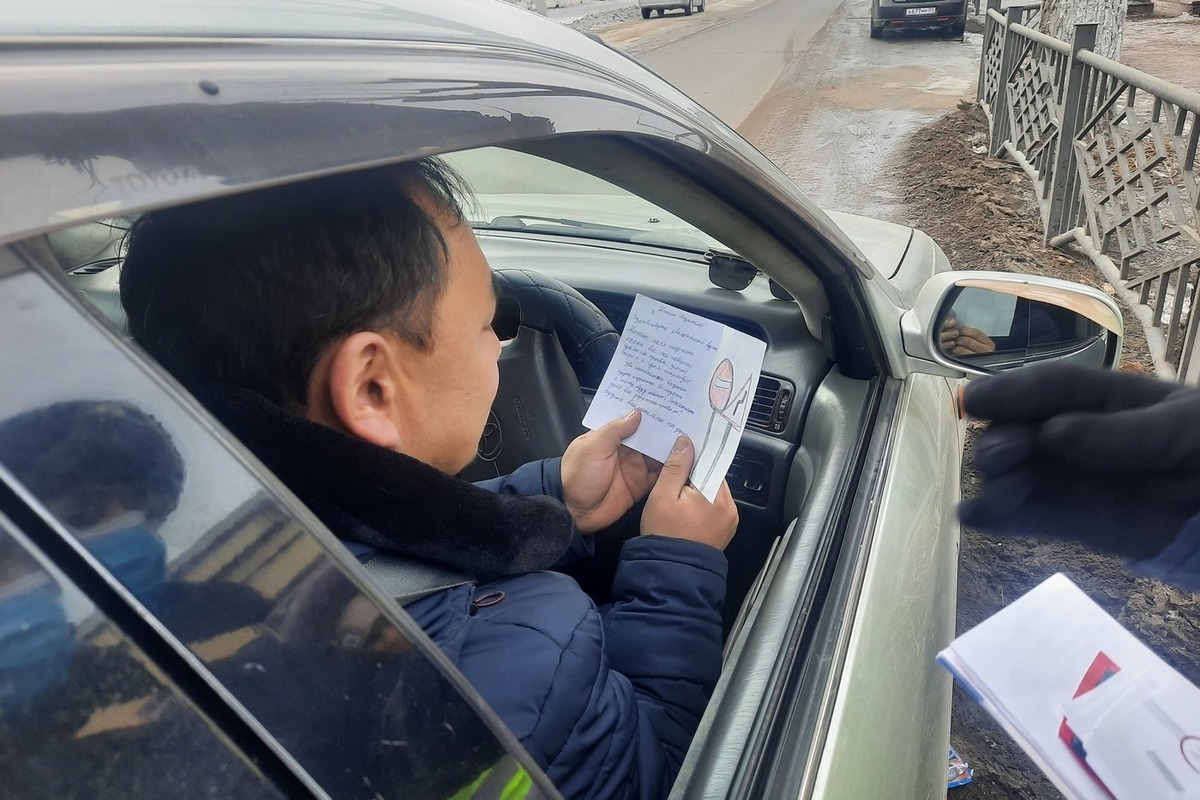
point(987, 322)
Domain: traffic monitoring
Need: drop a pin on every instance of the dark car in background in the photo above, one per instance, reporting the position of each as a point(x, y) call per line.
point(895, 15)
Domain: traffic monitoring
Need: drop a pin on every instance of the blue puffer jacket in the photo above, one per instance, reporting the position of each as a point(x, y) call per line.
point(607, 699)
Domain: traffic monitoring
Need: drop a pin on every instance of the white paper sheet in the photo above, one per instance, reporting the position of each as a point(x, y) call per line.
point(688, 375)
point(1026, 662)
point(1140, 733)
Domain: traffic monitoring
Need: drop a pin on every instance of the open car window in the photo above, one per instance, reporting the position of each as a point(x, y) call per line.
point(590, 213)
point(238, 577)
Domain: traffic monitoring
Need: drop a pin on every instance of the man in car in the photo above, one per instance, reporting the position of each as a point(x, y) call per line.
point(341, 328)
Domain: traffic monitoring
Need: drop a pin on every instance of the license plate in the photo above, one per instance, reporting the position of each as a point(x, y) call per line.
point(919, 12)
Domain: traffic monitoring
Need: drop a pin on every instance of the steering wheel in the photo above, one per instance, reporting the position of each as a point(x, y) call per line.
point(561, 341)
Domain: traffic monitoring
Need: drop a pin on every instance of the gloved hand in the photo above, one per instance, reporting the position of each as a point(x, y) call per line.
point(1110, 459)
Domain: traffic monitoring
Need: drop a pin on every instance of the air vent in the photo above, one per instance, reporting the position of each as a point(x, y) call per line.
point(772, 404)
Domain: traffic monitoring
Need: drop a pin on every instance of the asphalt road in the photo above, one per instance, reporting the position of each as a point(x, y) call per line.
point(803, 81)
point(730, 56)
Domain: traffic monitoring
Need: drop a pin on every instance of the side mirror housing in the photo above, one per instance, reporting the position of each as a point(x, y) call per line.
point(981, 323)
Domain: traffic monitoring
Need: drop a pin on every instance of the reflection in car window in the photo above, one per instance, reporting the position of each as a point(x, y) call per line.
point(227, 567)
point(82, 716)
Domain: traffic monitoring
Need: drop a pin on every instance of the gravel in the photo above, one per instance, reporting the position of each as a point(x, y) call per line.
point(602, 19)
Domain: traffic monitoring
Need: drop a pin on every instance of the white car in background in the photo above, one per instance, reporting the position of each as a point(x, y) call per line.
point(663, 6)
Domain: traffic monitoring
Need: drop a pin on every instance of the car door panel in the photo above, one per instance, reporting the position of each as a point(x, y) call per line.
point(270, 609)
point(83, 711)
point(889, 730)
point(860, 678)
point(736, 746)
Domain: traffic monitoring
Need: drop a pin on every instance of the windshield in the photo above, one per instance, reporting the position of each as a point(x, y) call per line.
point(519, 192)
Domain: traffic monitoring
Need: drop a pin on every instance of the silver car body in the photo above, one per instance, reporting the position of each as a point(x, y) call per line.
point(830, 689)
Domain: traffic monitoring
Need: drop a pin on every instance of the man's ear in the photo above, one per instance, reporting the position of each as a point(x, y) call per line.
point(364, 389)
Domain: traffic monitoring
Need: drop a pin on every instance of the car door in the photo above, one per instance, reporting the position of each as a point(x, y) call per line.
point(892, 700)
point(343, 109)
point(847, 549)
point(830, 688)
point(165, 603)
point(87, 712)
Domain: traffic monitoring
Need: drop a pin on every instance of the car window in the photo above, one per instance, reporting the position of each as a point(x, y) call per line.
point(517, 191)
point(81, 713)
point(232, 567)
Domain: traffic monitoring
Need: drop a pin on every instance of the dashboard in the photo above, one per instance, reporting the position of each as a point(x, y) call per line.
point(611, 274)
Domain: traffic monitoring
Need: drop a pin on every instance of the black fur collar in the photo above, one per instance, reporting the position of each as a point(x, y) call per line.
point(369, 494)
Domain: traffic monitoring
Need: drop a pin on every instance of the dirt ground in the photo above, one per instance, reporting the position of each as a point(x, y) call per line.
point(983, 213)
point(1165, 47)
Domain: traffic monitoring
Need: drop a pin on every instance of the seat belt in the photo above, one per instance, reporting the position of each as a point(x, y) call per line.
point(409, 580)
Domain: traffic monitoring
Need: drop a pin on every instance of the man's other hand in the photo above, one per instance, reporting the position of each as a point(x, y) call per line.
point(676, 508)
point(603, 478)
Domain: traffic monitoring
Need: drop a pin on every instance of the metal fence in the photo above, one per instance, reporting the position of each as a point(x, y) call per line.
point(1112, 153)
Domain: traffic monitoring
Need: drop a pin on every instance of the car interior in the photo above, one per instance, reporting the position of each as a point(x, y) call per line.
point(623, 243)
point(574, 231)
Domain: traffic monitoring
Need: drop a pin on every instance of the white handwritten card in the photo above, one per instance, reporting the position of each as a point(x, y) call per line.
point(688, 375)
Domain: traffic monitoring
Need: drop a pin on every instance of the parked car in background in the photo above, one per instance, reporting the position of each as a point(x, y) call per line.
point(948, 15)
point(663, 6)
point(253, 656)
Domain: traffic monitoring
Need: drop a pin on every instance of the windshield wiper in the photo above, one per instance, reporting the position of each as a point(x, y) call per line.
point(676, 240)
point(539, 224)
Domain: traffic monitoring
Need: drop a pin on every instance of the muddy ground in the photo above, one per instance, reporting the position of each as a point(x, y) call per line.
point(1165, 47)
point(984, 215)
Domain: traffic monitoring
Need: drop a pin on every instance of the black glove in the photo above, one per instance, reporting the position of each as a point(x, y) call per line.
point(1110, 459)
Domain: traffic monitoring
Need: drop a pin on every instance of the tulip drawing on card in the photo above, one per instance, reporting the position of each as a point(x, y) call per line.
point(722, 398)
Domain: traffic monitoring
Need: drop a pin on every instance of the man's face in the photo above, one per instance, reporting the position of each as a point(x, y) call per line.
point(458, 375)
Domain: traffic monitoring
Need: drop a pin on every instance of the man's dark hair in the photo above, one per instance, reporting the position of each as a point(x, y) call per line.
point(249, 290)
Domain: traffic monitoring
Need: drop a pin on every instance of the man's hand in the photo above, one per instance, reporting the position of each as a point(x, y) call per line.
point(1111, 459)
point(602, 478)
point(972, 341)
point(677, 509)
point(956, 340)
